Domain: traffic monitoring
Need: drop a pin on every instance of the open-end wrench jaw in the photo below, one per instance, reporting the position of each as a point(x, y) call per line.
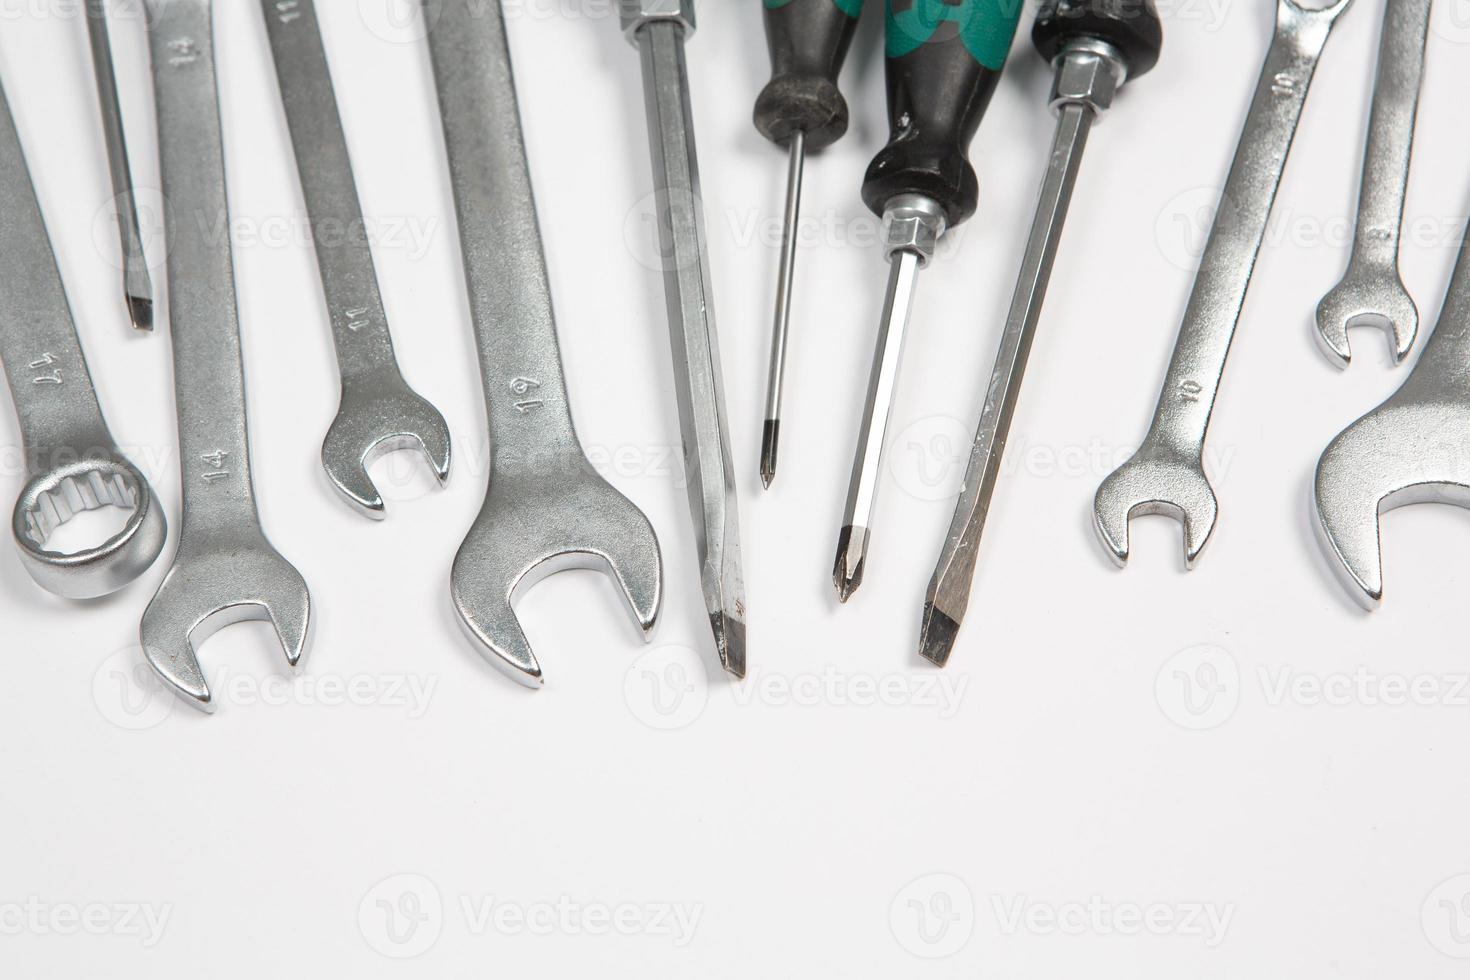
point(218, 585)
point(1156, 481)
point(529, 529)
point(374, 420)
point(1368, 296)
point(1404, 452)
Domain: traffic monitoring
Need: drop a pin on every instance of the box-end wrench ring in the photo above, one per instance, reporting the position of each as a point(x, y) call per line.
point(72, 462)
point(1166, 476)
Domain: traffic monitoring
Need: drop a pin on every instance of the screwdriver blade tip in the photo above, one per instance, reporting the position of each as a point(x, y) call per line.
point(770, 438)
point(852, 555)
point(140, 310)
point(730, 642)
point(938, 636)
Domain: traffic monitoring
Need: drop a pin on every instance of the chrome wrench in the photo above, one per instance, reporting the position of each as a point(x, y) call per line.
point(1166, 475)
point(225, 571)
point(378, 412)
point(1372, 292)
point(546, 509)
point(1412, 449)
point(72, 462)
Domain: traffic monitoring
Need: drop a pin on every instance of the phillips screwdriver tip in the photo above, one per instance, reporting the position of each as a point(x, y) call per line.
point(937, 639)
point(140, 309)
point(852, 554)
point(769, 440)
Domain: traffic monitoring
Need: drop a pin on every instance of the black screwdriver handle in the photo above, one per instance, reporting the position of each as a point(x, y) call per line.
point(1130, 27)
point(809, 40)
point(944, 61)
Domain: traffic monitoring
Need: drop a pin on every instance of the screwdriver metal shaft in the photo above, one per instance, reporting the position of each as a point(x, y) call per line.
point(949, 589)
point(1089, 70)
point(137, 283)
point(771, 432)
point(659, 37)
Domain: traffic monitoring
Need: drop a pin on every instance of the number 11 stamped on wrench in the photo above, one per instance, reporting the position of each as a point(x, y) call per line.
point(1166, 475)
point(225, 571)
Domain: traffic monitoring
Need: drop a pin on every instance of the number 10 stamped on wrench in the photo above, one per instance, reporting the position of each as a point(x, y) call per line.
point(1166, 475)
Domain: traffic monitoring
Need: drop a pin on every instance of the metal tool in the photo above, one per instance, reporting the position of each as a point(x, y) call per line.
point(547, 509)
point(943, 64)
point(1412, 449)
point(1094, 46)
point(658, 29)
point(225, 571)
point(378, 412)
point(802, 109)
point(137, 282)
point(1166, 475)
point(1372, 292)
point(72, 463)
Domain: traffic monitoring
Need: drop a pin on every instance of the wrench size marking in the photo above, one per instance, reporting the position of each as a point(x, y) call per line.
point(288, 11)
point(521, 387)
point(184, 51)
point(1283, 84)
point(358, 318)
point(215, 459)
point(52, 377)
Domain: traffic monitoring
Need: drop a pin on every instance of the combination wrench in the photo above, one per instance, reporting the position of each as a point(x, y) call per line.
point(1372, 291)
point(546, 508)
point(378, 412)
point(1166, 476)
point(72, 462)
point(224, 571)
point(1411, 449)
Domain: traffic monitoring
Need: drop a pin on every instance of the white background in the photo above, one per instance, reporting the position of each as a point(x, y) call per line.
point(1107, 749)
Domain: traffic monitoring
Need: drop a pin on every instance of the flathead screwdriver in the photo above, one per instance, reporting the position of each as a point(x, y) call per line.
point(802, 109)
point(944, 59)
point(1094, 47)
point(137, 283)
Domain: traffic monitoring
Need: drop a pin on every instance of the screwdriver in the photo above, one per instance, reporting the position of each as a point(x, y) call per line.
point(137, 284)
point(801, 108)
point(944, 59)
point(1094, 46)
point(658, 29)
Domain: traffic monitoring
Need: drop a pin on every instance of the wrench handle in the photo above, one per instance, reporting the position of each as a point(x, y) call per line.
point(209, 384)
point(338, 230)
point(505, 266)
point(1225, 269)
point(1391, 130)
point(48, 375)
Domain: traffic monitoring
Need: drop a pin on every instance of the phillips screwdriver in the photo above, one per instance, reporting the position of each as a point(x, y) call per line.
point(1094, 47)
point(658, 28)
point(802, 109)
point(944, 59)
point(137, 284)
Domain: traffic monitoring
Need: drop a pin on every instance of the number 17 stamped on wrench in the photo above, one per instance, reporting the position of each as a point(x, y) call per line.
point(1166, 475)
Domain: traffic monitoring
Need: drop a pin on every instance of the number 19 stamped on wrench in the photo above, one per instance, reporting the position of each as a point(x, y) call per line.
point(225, 571)
point(1166, 476)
